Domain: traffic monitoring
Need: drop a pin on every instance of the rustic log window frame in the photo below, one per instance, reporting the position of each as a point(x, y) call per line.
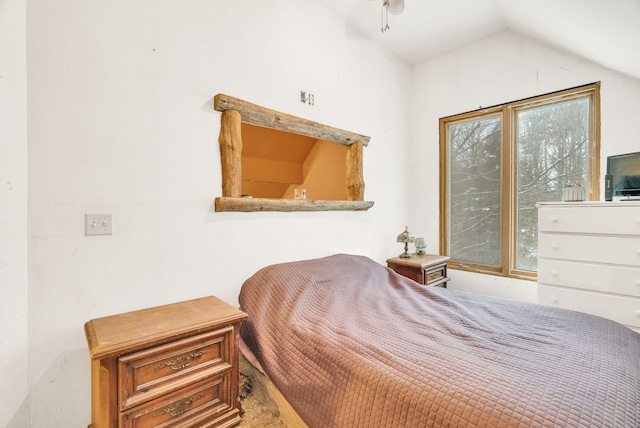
point(236, 111)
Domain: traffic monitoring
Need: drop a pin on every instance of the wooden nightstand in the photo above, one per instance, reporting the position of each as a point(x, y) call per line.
point(426, 269)
point(172, 365)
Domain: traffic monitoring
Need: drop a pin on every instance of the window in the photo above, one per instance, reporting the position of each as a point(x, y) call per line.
point(498, 162)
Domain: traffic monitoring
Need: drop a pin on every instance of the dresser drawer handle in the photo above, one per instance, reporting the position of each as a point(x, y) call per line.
point(554, 246)
point(555, 219)
point(179, 407)
point(637, 313)
point(554, 299)
point(554, 272)
point(181, 362)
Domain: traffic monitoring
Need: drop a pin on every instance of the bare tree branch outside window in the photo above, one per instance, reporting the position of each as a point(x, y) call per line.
point(550, 144)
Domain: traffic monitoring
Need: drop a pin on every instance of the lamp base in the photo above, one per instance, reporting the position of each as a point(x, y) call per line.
point(405, 255)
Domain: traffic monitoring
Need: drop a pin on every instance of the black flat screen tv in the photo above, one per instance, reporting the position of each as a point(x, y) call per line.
point(622, 182)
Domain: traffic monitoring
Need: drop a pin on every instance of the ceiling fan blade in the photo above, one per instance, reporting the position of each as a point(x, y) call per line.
point(396, 7)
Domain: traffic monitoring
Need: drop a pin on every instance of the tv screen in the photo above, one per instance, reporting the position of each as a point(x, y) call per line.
point(623, 177)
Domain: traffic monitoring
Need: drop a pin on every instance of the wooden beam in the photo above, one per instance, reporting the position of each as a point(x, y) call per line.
point(353, 166)
point(262, 116)
point(231, 153)
point(288, 205)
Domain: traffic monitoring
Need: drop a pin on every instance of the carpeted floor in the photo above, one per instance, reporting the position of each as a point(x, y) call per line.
point(259, 410)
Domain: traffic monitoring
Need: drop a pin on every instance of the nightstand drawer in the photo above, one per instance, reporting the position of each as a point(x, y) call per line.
point(147, 374)
point(436, 276)
point(196, 405)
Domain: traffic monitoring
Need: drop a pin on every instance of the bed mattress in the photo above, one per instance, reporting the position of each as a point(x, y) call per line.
point(349, 343)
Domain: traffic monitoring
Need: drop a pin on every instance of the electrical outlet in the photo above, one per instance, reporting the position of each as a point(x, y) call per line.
point(98, 224)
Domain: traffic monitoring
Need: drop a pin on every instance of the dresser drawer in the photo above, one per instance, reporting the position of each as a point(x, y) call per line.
point(620, 250)
point(596, 277)
point(198, 405)
point(625, 310)
point(596, 219)
point(147, 374)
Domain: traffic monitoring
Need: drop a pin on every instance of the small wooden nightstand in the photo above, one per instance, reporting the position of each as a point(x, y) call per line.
point(426, 269)
point(172, 365)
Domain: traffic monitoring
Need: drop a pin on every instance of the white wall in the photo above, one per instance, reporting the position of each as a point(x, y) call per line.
point(120, 122)
point(13, 216)
point(505, 67)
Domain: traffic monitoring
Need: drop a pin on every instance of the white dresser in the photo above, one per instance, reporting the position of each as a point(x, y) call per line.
point(589, 258)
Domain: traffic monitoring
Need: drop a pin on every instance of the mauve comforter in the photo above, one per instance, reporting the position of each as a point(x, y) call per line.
point(350, 343)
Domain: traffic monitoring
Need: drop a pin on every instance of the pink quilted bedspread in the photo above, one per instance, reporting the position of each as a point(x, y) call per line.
point(350, 343)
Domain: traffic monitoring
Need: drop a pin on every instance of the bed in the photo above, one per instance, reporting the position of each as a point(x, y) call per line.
point(350, 343)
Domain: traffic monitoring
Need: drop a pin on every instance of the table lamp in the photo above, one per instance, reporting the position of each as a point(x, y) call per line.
point(405, 238)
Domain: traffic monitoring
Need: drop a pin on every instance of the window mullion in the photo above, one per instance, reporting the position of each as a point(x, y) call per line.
point(508, 189)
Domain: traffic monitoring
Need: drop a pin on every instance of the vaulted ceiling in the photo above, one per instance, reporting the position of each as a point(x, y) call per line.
point(604, 31)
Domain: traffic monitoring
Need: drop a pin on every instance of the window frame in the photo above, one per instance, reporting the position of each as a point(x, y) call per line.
point(508, 170)
point(235, 112)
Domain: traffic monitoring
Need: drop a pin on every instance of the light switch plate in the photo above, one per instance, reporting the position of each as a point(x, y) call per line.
point(98, 224)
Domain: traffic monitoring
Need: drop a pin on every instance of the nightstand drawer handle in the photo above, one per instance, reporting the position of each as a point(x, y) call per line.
point(179, 407)
point(554, 246)
point(181, 362)
point(637, 313)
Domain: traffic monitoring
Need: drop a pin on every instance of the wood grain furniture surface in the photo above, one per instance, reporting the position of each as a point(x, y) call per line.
point(589, 258)
point(425, 269)
point(172, 366)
